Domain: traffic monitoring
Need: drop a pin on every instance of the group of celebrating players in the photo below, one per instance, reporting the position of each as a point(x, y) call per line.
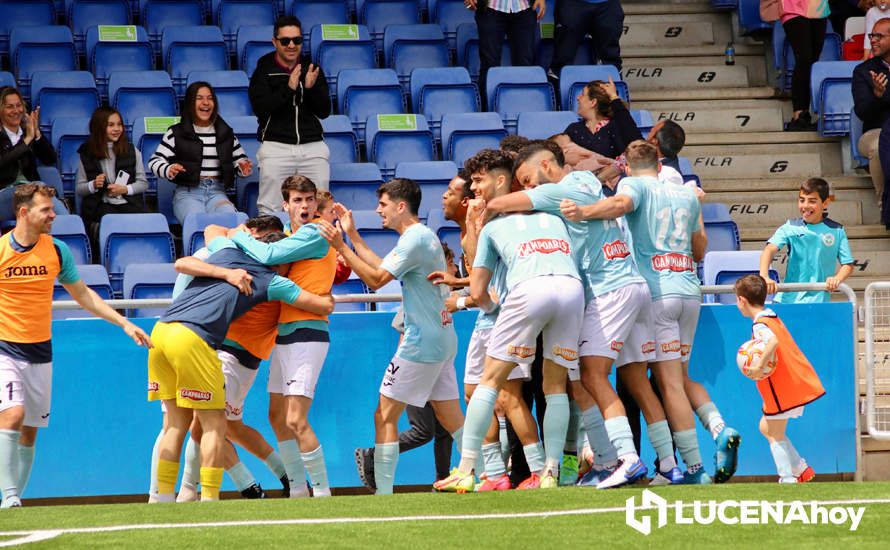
point(602, 280)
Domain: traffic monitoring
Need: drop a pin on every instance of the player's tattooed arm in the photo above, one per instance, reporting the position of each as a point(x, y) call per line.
point(373, 275)
point(766, 259)
point(605, 209)
point(238, 278)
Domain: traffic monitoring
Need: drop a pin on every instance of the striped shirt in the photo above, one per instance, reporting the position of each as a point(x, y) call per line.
point(509, 6)
point(165, 154)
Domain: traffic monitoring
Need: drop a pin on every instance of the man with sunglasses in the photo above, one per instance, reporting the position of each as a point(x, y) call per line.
point(289, 96)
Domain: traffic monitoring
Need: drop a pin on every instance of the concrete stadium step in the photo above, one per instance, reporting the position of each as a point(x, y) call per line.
point(748, 201)
point(632, 7)
point(757, 138)
point(750, 161)
point(703, 94)
point(873, 231)
point(656, 76)
point(767, 213)
point(876, 466)
point(710, 116)
point(789, 185)
point(671, 34)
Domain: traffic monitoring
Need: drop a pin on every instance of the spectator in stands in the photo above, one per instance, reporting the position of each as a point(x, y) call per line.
point(602, 19)
point(110, 176)
point(513, 144)
point(871, 102)
point(805, 23)
point(22, 146)
point(515, 19)
point(607, 127)
point(877, 10)
point(669, 138)
point(577, 157)
point(289, 97)
point(841, 10)
point(200, 155)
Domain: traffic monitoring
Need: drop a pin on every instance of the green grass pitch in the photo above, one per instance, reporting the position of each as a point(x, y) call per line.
point(520, 521)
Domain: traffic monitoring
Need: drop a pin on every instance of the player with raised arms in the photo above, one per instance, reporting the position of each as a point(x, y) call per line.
point(423, 366)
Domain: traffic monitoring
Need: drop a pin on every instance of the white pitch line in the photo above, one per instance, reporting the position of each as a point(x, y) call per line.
point(40, 535)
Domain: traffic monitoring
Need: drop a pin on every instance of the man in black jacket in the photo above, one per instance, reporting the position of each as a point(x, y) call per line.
point(21, 147)
point(871, 100)
point(289, 97)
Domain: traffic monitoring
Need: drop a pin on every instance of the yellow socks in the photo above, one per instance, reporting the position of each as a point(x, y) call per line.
point(211, 479)
point(167, 473)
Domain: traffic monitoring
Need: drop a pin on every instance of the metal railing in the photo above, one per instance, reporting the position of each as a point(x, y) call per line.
point(877, 360)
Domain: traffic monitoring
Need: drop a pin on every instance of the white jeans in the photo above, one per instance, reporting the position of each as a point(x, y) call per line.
point(279, 161)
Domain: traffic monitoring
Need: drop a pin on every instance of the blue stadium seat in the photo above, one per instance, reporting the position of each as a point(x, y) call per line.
point(543, 124)
point(724, 4)
point(140, 94)
point(447, 230)
point(725, 267)
point(126, 239)
point(436, 92)
point(574, 78)
point(783, 56)
point(23, 13)
point(6, 79)
point(407, 47)
point(246, 192)
point(370, 227)
point(336, 54)
point(749, 16)
point(643, 119)
point(464, 134)
point(391, 140)
point(340, 138)
point(95, 277)
point(832, 97)
point(245, 128)
point(722, 235)
point(715, 212)
point(252, 43)
point(105, 58)
point(193, 227)
point(70, 230)
point(512, 90)
point(50, 176)
point(318, 12)
point(350, 286)
point(584, 55)
point(449, 14)
point(147, 143)
point(379, 14)
point(468, 49)
point(158, 15)
point(855, 134)
point(84, 14)
point(40, 48)
point(355, 184)
point(232, 14)
point(148, 281)
point(187, 49)
point(64, 94)
point(68, 133)
point(362, 93)
point(433, 178)
point(230, 88)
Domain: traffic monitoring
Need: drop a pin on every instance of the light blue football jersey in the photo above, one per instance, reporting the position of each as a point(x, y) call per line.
point(429, 332)
point(813, 253)
point(530, 245)
point(499, 285)
point(600, 247)
point(662, 223)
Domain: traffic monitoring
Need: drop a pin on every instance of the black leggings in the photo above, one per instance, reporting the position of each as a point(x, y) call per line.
point(806, 37)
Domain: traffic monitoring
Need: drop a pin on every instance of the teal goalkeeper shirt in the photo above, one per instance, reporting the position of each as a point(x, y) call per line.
point(813, 253)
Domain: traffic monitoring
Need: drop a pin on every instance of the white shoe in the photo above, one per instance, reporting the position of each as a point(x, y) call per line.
point(300, 491)
point(628, 471)
point(187, 493)
point(11, 502)
point(153, 498)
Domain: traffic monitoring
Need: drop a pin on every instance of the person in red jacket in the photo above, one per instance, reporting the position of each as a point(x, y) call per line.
point(788, 389)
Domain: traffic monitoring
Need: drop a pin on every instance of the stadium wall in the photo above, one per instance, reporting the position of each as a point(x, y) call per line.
point(102, 429)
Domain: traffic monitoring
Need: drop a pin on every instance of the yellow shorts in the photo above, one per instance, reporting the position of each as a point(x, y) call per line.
point(182, 366)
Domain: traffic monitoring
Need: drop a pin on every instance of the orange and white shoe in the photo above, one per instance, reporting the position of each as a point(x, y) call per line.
point(807, 475)
point(533, 482)
point(500, 484)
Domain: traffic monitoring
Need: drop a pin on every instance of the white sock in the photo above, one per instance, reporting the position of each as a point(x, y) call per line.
point(318, 473)
point(191, 471)
point(9, 464)
point(293, 465)
point(26, 461)
point(273, 461)
point(241, 476)
point(153, 484)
